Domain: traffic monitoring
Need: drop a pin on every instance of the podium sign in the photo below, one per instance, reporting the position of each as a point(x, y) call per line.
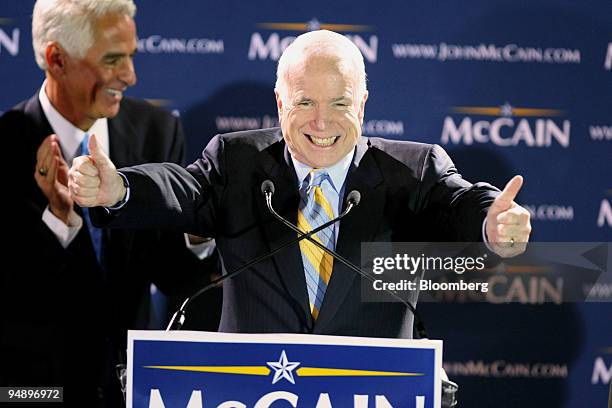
point(222, 370)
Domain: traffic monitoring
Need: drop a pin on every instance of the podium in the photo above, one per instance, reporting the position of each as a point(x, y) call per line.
point(183, 369)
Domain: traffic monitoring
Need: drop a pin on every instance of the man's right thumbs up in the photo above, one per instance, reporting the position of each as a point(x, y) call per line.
point(93, 180)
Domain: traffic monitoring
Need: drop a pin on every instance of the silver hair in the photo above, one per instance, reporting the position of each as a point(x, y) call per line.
point(71, 24)
point(322, 43)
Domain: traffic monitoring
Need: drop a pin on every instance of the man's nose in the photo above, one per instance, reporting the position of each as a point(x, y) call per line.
point(320, 119)
point(127, 73)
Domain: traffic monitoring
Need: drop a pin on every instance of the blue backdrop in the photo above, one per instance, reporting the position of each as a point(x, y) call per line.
point(507, 87)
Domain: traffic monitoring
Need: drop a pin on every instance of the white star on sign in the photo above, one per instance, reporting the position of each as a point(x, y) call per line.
point(313, 25)
point(506, 110)
point(283, 369)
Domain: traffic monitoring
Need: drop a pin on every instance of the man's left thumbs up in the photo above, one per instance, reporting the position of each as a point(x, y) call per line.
point(93, 180)
point(507, 225)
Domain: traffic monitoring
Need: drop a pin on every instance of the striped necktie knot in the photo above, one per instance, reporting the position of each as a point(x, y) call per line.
point(317, 177)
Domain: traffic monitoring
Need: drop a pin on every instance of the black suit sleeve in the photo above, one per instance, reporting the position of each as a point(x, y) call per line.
point(173, 267)
point(178, 150)
point(168, 196)
point(457, 207)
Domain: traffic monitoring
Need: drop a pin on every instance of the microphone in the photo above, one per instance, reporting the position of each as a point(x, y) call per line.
point(267, 188)
point(353, 199)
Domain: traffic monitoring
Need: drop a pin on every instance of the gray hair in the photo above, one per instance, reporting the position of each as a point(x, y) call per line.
point(323, 43)
point(71, 24)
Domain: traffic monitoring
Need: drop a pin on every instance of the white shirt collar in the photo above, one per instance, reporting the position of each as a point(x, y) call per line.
point(70, 136)
point(337, 172)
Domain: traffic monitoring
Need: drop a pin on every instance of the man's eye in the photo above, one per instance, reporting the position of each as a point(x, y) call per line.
point(341, 104)
point(304, 103)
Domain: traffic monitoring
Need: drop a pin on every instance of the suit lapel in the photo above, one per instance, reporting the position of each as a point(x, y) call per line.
point(359, 226)
point(125, 144)
point(125, 149)
point(278, 168)
point(42, 127)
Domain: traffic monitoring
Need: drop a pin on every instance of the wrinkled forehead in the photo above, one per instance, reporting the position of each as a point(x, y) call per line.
point(336, 71)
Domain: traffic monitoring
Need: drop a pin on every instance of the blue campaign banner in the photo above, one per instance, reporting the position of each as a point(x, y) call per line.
point(506, 87)
point(201, 370)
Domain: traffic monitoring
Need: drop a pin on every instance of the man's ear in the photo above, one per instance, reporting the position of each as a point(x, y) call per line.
point(55, 56)
point(279, 104)
point(362, 107)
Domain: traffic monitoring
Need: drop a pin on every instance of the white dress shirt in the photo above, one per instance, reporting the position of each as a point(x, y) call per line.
point(332, 191)
point(70, 138)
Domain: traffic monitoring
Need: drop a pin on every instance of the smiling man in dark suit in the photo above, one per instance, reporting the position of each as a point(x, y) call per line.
point(67, 305)
point(410, 192)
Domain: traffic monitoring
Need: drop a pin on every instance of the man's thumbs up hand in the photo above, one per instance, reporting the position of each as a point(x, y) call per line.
point(507, 225)
point(93, 180)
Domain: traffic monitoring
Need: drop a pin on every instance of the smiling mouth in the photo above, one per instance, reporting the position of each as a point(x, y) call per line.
point(114, 92)
point(322, 142)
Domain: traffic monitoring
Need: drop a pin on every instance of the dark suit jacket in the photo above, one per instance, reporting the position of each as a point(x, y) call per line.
point(64, 320)
point(410, 192)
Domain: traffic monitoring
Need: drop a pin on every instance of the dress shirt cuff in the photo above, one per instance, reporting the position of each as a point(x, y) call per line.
point(484, 235)
point(203, 250)
point(65, 234)
point(125, 199)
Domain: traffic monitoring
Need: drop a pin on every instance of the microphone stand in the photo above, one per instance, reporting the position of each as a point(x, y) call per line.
point(420, 327)
point(178, 319)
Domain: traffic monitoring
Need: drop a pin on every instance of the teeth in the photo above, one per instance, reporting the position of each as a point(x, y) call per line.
point(114, 92)
point(323, 142)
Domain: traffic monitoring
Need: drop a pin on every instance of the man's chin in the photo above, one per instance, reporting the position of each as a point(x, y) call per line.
point(111, 111)
point(321, 162)
point(314, 157)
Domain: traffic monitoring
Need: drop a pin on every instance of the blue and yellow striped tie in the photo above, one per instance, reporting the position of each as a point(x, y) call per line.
point(314, 211)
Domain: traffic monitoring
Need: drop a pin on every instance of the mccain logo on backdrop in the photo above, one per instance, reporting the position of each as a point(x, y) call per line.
point(266, 45)
point(506, 126)
point(9, 38)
